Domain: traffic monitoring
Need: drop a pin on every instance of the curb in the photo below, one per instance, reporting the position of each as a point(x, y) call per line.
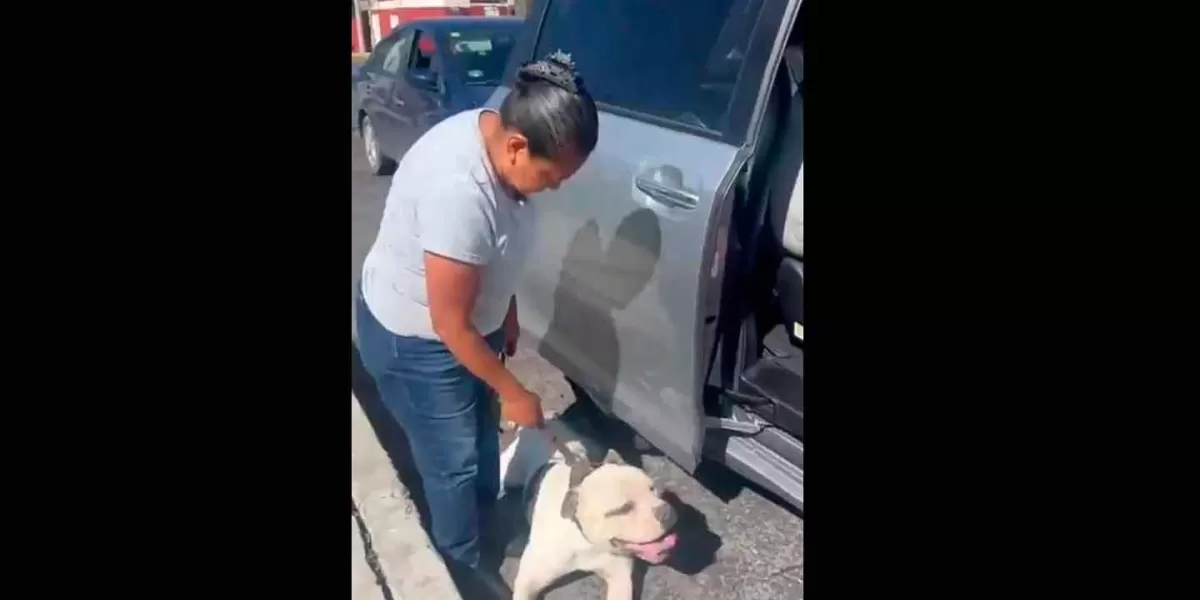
point(364, 584)
point(410, 566)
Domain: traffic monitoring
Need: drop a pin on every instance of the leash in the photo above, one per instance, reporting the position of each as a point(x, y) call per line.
point(579, 466)
point(569, 457)
point(575, 462)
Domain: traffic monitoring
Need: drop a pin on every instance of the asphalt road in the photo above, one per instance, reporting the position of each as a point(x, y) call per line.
point(735, 543)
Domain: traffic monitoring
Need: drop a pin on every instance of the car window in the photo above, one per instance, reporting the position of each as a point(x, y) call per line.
point(422, 55)
point(398, 53)
point(676, 59)
point(382, 49)
point(477, 56)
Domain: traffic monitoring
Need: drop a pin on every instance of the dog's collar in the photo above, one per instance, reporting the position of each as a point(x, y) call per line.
point(579, 472)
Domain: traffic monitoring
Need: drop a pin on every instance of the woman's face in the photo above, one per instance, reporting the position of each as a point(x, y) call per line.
point(530, 174)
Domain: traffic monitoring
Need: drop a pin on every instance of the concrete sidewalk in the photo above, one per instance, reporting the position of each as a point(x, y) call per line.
point(411, 568)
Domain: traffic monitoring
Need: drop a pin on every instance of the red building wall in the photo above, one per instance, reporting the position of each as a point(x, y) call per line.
point(404, 15)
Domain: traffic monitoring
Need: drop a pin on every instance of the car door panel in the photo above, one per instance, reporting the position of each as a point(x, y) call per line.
point(618, 288)
point(419, 106)
point(380, 90)
point(369, 80)
point(402, 100)
point(609, 306)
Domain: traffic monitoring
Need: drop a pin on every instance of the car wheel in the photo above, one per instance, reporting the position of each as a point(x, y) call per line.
point(380, 164)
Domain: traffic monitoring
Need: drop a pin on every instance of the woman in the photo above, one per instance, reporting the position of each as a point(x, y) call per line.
point(436, 304)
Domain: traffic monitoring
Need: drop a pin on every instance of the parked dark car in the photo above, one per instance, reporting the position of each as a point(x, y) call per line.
point(422, 73)
point(353, 97)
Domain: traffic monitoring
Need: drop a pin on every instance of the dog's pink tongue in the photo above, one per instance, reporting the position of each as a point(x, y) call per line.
point(656, 551)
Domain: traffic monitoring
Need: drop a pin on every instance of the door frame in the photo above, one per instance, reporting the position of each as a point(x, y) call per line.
point(718, 237)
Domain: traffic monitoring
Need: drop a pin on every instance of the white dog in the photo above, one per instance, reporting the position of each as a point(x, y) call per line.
point(584, 517)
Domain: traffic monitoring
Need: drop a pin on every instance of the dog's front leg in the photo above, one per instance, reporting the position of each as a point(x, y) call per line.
point(535, 572)
point(618, 578)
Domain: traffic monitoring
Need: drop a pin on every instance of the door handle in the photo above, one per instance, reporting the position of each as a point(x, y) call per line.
point(664, 185)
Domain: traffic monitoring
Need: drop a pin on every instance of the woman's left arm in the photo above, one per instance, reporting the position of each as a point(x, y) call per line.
point(452, 287)
point(512, 328)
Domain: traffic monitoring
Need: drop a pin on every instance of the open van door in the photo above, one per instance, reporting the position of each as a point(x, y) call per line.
point(619, 285)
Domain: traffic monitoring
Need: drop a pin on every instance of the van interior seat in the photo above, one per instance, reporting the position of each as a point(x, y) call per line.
point(786, 197)
point(787, 182)
point(791, 229)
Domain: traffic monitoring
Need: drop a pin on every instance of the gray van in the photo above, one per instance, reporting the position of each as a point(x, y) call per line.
point(667, 279)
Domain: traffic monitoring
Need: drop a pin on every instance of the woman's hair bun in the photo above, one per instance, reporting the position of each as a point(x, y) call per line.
point(557, 69)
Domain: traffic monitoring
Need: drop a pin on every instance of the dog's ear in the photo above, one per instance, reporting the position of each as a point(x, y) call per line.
point(571, 500)
point(612, 458)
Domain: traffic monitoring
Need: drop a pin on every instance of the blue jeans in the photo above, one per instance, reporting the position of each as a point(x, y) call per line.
point(447, 414)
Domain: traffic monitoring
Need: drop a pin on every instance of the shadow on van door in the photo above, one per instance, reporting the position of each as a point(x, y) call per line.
point(596, 281)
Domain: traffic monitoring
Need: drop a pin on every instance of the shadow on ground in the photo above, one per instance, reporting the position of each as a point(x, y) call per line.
point(391, 435)
point(602, 433)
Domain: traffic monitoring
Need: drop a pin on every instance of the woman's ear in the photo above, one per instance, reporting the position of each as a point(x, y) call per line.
point(515, 144)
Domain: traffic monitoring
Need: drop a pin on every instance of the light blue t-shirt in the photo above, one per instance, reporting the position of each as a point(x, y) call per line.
point(446, 200)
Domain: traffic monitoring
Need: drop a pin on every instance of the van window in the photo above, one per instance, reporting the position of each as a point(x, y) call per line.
point(675, 59)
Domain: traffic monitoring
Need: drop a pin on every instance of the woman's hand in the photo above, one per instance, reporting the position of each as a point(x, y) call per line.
point(512, 328)
point(522, 407)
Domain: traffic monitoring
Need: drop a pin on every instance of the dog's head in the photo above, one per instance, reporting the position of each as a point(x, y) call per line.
point(619, 505)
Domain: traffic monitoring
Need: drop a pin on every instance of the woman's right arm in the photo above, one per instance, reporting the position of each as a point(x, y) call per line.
point(452, 288)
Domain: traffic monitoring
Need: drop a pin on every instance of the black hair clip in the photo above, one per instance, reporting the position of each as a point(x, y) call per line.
point(562, 59)
point(557, 69)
